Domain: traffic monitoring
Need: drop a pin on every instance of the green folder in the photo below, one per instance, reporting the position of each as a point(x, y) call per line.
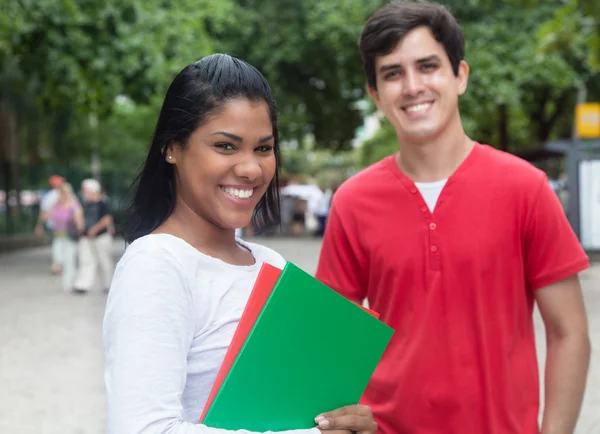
point(310, 351)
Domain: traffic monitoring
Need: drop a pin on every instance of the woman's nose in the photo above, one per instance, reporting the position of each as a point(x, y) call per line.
point(248, 169)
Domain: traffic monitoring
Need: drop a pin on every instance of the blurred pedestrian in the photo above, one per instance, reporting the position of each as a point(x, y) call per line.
point(95, 244)
point(67, 217)
point(299, 207)
point(321, 209)
point(45, 222)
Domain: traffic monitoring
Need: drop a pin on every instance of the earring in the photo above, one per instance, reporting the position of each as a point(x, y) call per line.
point(170, 157)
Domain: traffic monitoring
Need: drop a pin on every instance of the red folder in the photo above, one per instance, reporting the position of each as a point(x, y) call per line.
point(265, 282)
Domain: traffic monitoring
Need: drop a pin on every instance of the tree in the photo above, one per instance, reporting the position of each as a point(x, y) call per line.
point(64, 62)
point(308, 52)
point(86, 53)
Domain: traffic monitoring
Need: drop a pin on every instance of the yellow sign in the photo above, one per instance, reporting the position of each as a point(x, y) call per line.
point(587, 120)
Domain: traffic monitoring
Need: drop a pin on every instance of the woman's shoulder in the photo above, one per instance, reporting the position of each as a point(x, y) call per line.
point(263, 253)
point(151, 266)
point(151, 251)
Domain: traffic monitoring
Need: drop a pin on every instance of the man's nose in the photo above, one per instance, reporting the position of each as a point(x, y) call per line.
point(413, 83)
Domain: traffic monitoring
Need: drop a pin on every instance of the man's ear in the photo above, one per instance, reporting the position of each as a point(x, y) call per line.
point(463, 77)
point(374, 94)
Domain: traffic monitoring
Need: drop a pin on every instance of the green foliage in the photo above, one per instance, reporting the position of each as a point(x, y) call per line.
point(307, 50)
point(86, 52)
point(575, 32)
point(382, 144)
point(62, 61)
point(125, 137)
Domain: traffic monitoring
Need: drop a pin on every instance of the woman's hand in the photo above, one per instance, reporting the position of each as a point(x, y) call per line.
point(335, 431)
point(353, 418)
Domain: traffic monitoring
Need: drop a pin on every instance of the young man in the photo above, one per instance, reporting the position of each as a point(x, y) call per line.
point(453, 242)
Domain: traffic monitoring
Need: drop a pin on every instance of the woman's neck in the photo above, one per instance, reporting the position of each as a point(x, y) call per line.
point(205, 236)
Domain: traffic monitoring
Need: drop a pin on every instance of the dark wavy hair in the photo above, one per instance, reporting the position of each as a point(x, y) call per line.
point(200, 90)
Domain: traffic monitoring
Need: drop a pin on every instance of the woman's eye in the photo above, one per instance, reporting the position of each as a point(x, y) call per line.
point(265, 149)
point(225, 146)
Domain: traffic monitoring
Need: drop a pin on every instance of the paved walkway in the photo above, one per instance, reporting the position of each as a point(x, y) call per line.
point(51, 356)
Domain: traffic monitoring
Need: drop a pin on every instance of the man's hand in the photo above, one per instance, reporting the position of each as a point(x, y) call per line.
point(354, 418)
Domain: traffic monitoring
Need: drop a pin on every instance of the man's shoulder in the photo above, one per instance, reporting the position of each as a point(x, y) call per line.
point(509, 167)
point(512, 182)
point(365, 181)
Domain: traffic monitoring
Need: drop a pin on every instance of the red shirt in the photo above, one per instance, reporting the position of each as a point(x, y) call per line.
point(457, 286)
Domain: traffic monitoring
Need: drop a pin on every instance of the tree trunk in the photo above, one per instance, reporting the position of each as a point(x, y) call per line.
point(9, 160)
point(32, 150)
point(546, 122)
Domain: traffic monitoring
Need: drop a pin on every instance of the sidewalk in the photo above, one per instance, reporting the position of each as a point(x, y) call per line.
point(51, 373)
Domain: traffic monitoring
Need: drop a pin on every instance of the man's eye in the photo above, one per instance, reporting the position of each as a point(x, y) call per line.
point(392, 74)
point(429, 66)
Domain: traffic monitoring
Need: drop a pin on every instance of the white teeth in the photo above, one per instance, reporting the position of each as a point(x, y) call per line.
point(240, 194)
point(418, 107)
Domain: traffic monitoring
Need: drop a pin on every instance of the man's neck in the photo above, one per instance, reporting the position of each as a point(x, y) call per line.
point(434, 160)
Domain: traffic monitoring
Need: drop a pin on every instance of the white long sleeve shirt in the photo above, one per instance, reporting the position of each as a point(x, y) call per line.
point(170, 317)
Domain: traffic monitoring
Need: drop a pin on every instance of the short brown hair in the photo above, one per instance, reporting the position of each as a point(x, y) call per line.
point(390, 24)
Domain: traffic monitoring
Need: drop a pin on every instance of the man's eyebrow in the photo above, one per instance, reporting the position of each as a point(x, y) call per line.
point(384, 68)
point(429, 59)
point(238, 138)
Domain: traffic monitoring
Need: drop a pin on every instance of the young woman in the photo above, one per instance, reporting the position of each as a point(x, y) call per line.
point(67, 217)
point(180, 288)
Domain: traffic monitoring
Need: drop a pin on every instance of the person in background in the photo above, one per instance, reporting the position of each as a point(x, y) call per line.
point(321, 209)
point(453, 242)
point(111, 229)
point(45, 221)
point(286, 206)
point(180, 288)
point(298, 223)
point(67, 217)
point(95, 243)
